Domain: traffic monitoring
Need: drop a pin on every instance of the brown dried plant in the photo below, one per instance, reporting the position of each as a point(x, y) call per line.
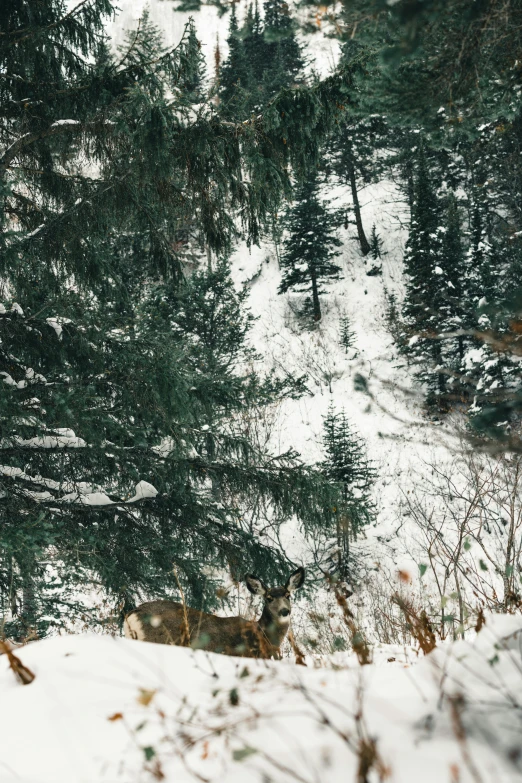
point(24, 675)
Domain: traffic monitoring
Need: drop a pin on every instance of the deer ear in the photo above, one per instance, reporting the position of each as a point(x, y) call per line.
point(295, 580)
point(255, 585)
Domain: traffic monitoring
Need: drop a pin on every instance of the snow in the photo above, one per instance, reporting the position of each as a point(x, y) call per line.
point(110, 709)
point(65, 122)
point(87, 498)
point(291, 723)
point(58, 440)
point(55, 324)
point(143, 490)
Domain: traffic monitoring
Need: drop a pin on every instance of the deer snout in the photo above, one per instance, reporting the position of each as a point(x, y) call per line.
point(284, 612)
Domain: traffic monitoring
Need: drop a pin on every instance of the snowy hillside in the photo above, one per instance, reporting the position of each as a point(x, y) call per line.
point(105, 709)
point(401, 443)
point(405, 447)
point(415, 672)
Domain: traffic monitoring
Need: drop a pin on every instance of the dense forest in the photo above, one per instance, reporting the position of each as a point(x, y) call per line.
point(131, 463)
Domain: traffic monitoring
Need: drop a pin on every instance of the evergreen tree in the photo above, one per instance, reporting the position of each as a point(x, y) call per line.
point(345, 166)
point(376, 244)
point(234, 78)
point(283, 62)
point(346, 334)
point(254, 46)
point(104, 170)
point(307, 260)
point(347, 466)
point(493, 366)
point(352, 149)
point(450, 302)
point(264, 58)
point(376, 253)
point(422, 266)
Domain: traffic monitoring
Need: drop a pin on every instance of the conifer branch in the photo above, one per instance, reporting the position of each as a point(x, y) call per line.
point(58, 127)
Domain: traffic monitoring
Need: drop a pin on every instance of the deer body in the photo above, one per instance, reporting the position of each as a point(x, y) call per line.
point(168, 622)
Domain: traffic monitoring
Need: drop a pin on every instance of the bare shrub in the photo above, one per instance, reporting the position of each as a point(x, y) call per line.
point(469, 519)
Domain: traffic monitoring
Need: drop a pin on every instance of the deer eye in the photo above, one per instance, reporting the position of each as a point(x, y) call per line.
point(270, 598)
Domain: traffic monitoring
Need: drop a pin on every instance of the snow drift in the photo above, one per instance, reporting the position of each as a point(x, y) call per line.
point(109, 709)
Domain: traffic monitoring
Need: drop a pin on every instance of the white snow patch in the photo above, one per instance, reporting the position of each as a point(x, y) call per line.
point(143, 490)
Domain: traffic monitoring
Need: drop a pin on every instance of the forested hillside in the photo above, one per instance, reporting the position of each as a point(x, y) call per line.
point(260, 308)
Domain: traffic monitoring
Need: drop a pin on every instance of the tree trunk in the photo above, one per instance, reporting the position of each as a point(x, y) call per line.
point(365, 245)
point(411, 187)
point(343, 543)
point(315, 297)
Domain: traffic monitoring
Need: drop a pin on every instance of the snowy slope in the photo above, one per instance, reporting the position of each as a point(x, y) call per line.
point(399, 440)
point(212, 29)
point(106, 709)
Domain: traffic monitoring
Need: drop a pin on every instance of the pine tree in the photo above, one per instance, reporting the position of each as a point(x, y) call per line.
point(105, 172)
point(345, 165)
point(234, 78)
point(346, 334)
point(283, 61)
point(449, 302)
point(376, 244)
point(357, 137)
point(255, 54)
point(376, 253)
point(494, 370)
point(307, 260)
point(423, 288)
point(347, 466)
point(264, 58)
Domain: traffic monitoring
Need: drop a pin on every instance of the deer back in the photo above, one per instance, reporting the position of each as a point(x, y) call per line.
point(168, 622)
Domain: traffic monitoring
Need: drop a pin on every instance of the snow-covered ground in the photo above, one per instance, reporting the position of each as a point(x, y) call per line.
point(109, 709)
point(400, 441)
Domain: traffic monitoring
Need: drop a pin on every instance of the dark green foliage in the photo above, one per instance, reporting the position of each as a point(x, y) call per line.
point(493, 365)
point(421, 264)
point(234, 74)
point(307, 260)
point(347, 466)
point(283, 57)
point(376, 245)
point(376, 253)
point(351, 153)
point(264, 58)
point(449, 71)
point(346, 335)
point(122, 457)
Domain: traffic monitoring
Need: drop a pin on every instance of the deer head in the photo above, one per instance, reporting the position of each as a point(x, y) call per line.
point(277, 607)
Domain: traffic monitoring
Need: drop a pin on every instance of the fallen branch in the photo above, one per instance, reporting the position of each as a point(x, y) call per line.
point(21, 672)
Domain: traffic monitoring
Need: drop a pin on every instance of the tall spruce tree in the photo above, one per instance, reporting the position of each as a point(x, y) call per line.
point(264, 58)
point(283, 62)
point(450, 301)
point(234, 74)
point(307, 261)
point(103, 166)
point(347, 466)
point(423, 287)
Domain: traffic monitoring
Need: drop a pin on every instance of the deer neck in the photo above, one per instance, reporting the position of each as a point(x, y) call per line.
point(274, 632)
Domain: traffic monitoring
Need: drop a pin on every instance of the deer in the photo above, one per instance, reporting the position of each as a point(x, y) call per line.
point(169, 622)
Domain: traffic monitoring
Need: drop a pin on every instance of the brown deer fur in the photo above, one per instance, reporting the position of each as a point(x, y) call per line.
point(168, 622)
